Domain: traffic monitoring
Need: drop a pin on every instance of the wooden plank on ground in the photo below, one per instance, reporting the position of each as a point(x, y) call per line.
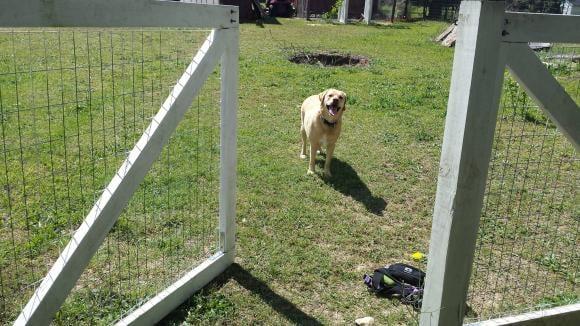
point(450, 40)
point(446, 32)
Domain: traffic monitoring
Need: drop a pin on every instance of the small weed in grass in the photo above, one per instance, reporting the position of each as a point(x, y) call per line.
point(389, 137)
point(560, 69)
point(535, 117)
point(209, 308)
point(424, 136)
point(560, 299)
point(203, 308)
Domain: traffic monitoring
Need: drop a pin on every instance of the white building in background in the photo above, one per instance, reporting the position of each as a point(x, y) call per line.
point(571, 7)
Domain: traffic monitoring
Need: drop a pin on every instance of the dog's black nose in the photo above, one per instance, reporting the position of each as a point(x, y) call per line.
point(335, 101)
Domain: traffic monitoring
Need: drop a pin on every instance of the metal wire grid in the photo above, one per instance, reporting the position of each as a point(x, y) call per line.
point(415, 9)
point(537, 6)
point(527, 249)
point(383, 9)
point(448, 10)
point(72, 104)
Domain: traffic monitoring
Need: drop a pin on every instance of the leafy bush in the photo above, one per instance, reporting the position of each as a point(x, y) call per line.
point(333, 12)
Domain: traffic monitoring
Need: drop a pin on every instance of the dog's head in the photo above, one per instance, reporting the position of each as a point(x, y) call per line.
point(333, 103)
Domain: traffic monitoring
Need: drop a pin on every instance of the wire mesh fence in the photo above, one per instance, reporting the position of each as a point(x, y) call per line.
point(527, 249)
point(72, 104)
point(537, 6)
point(447, 10)
point(411, 10)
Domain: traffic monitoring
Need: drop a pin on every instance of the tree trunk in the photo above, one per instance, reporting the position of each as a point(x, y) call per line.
point(393, 11)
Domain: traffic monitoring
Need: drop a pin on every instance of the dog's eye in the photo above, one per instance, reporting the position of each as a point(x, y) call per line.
point(340, 97)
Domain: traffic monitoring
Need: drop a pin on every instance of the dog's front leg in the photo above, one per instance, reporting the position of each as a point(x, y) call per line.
point(329, 152)
point(314, 146)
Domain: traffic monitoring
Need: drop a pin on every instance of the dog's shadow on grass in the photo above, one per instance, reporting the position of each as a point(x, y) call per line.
point(346, 180)
point(249, 282)
point(267, 20)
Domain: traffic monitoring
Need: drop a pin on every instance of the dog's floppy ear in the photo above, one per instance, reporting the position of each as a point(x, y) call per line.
point(322, 95)
point(344, 106)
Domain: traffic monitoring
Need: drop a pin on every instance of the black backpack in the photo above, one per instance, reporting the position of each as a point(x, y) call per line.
point(398, 281)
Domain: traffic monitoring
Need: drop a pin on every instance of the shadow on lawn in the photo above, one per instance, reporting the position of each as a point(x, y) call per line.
point(250, 283)
point(268, 20)
point(346, 180)
point(390, 26)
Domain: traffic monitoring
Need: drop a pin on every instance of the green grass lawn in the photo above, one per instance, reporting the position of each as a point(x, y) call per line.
point(303, 242)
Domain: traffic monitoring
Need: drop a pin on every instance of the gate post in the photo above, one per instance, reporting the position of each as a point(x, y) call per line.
point(368, 11)
point(476, 82)
point(228, 160)
point(343, 12)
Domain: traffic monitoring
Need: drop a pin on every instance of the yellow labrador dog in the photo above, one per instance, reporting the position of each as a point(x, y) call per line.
point(321, 120)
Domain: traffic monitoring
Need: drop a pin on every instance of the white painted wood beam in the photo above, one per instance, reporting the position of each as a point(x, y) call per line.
point(530, 27)
point(65, 272)
point(368, 11)
point(476, 82)
point(115, 13)
point(343, 12)
point(228, 159)
point(564, 315)
point(540, 85)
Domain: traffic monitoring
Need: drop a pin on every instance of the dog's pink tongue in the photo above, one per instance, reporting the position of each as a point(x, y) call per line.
point(332, 110)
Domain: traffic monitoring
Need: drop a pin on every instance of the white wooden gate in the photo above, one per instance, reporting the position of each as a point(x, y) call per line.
point(221, 46)
point(489, 40)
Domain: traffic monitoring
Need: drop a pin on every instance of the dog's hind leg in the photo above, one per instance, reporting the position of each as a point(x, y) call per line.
point(304, 139)
point(303, 134)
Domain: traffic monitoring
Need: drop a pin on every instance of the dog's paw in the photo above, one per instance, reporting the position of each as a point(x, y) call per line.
point(302, 156)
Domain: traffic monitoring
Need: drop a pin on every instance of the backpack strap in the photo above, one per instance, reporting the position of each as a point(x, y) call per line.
point(378, 284)
point(378, 279)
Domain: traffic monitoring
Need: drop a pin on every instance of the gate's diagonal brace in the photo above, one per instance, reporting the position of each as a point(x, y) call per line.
point(65, 272)
point(540, 85)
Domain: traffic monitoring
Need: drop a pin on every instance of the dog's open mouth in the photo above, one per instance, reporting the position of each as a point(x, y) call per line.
point(333, 109)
